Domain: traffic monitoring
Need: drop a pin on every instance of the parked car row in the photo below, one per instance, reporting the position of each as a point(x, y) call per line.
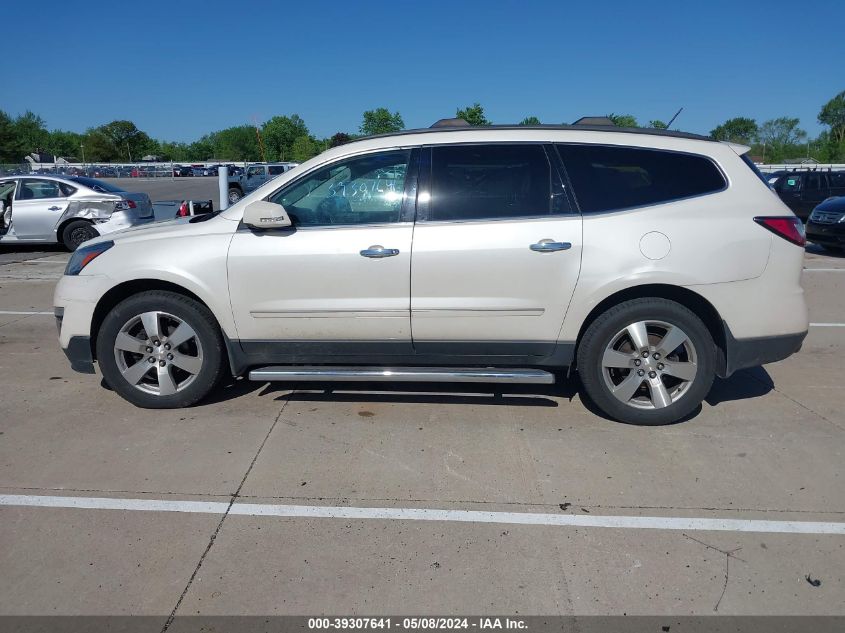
point(184, 171)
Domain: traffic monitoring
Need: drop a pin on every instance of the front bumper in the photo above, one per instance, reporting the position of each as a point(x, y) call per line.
point(78, 352)
point(826, 234)
point(74, 301)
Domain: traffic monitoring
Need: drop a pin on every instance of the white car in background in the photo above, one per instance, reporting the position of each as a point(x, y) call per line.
point(647, 261)
point(67, 209)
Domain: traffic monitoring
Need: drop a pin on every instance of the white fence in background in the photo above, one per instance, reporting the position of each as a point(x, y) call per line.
point(765, 168)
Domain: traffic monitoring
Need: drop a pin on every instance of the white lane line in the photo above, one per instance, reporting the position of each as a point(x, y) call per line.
point(423, 514)
point(23, 312)
point(825, 270)
point(827, 324)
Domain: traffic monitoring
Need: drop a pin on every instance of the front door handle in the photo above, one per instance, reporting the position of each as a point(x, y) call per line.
point(54, 208)
point(379, 251)
point(550, 246)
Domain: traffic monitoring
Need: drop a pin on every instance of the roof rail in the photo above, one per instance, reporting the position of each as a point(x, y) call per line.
point(456, 122)
point(594, 120)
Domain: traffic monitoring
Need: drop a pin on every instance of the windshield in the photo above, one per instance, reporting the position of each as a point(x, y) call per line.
point(96, 185)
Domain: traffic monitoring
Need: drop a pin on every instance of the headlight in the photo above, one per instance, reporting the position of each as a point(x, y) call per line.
point(83, 256)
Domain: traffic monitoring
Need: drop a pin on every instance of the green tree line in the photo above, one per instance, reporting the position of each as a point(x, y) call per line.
point(287, 137)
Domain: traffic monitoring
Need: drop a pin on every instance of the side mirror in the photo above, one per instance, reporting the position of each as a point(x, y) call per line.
point(266, 215)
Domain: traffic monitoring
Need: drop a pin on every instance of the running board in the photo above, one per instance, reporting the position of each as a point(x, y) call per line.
point(402, 374)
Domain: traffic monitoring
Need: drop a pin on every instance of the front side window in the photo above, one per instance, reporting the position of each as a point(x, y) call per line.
point(476, 182)
point(362, 190)
point(255, 171)
point(35, 189)
point(607, 178)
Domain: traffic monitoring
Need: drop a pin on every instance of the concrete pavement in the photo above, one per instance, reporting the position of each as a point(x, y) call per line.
point(767, 445)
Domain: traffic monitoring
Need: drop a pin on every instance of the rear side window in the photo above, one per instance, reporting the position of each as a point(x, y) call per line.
point(275, 170)
point(607, 178)
point(476, 182)
point(747, 160)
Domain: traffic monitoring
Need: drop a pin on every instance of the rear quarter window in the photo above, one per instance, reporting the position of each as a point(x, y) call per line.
point(609, 178)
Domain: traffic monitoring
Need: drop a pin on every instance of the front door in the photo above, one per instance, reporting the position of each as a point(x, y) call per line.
point(337, 283)
point(497, 252)
point(256, 175)
point(38, 205)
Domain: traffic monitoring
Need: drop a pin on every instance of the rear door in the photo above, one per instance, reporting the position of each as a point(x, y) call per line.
point(496, 253)
point(38, 205)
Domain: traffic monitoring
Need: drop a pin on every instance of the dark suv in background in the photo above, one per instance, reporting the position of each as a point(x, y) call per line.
point(826, 226)
point(802, 191)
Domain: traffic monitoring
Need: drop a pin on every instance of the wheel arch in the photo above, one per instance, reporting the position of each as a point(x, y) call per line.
point(126, 289)
point(61, 226)
point(684, 296)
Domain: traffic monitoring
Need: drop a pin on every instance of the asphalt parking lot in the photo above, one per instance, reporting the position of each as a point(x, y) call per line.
point(375, 499)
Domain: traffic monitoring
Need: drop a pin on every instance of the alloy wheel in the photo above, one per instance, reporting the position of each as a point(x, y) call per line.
point(158, 353)
point(649, 364)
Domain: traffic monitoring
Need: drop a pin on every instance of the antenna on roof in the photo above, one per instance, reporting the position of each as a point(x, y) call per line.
point(451, 123)
point(672, 120)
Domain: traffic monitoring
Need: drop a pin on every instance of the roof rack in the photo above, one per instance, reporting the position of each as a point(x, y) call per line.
point(457, 125)
point(456, 122)
point(595, 120)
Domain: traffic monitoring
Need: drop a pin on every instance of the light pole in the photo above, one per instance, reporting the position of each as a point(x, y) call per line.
point(82, 147)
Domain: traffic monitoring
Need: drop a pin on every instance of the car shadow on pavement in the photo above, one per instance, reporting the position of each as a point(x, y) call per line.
point(743, 385)
point(754, 382)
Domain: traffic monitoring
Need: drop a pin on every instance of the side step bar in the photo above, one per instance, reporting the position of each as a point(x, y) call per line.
point(402, 374)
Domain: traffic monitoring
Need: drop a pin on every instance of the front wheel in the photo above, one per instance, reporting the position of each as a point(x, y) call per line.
point(647, 361)
point(77, 232)
point(234, 195)
point(161, 350)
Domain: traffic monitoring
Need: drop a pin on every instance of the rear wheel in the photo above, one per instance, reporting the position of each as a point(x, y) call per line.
point(647, 361)
point(161, 350)
point(77, 232)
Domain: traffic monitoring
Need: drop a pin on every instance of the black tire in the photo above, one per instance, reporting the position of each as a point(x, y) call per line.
point(206, 335)
point(836, 250)
point(77, 232)
point(235, 195)
point(602, 332)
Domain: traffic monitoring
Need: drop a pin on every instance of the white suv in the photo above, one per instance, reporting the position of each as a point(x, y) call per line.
point(648, 261)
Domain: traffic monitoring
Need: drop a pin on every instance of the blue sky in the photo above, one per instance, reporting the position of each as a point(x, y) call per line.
point(180, 69)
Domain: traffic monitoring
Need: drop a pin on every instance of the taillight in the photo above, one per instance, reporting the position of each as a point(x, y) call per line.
point(124, 205)
point(789, 228)
point(183, 210)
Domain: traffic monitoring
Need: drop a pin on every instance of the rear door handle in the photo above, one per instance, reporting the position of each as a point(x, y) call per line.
point(379, 251)
point(550, 246)
point(54, 208)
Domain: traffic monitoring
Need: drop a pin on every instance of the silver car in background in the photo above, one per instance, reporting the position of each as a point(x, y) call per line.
point(68, 210)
